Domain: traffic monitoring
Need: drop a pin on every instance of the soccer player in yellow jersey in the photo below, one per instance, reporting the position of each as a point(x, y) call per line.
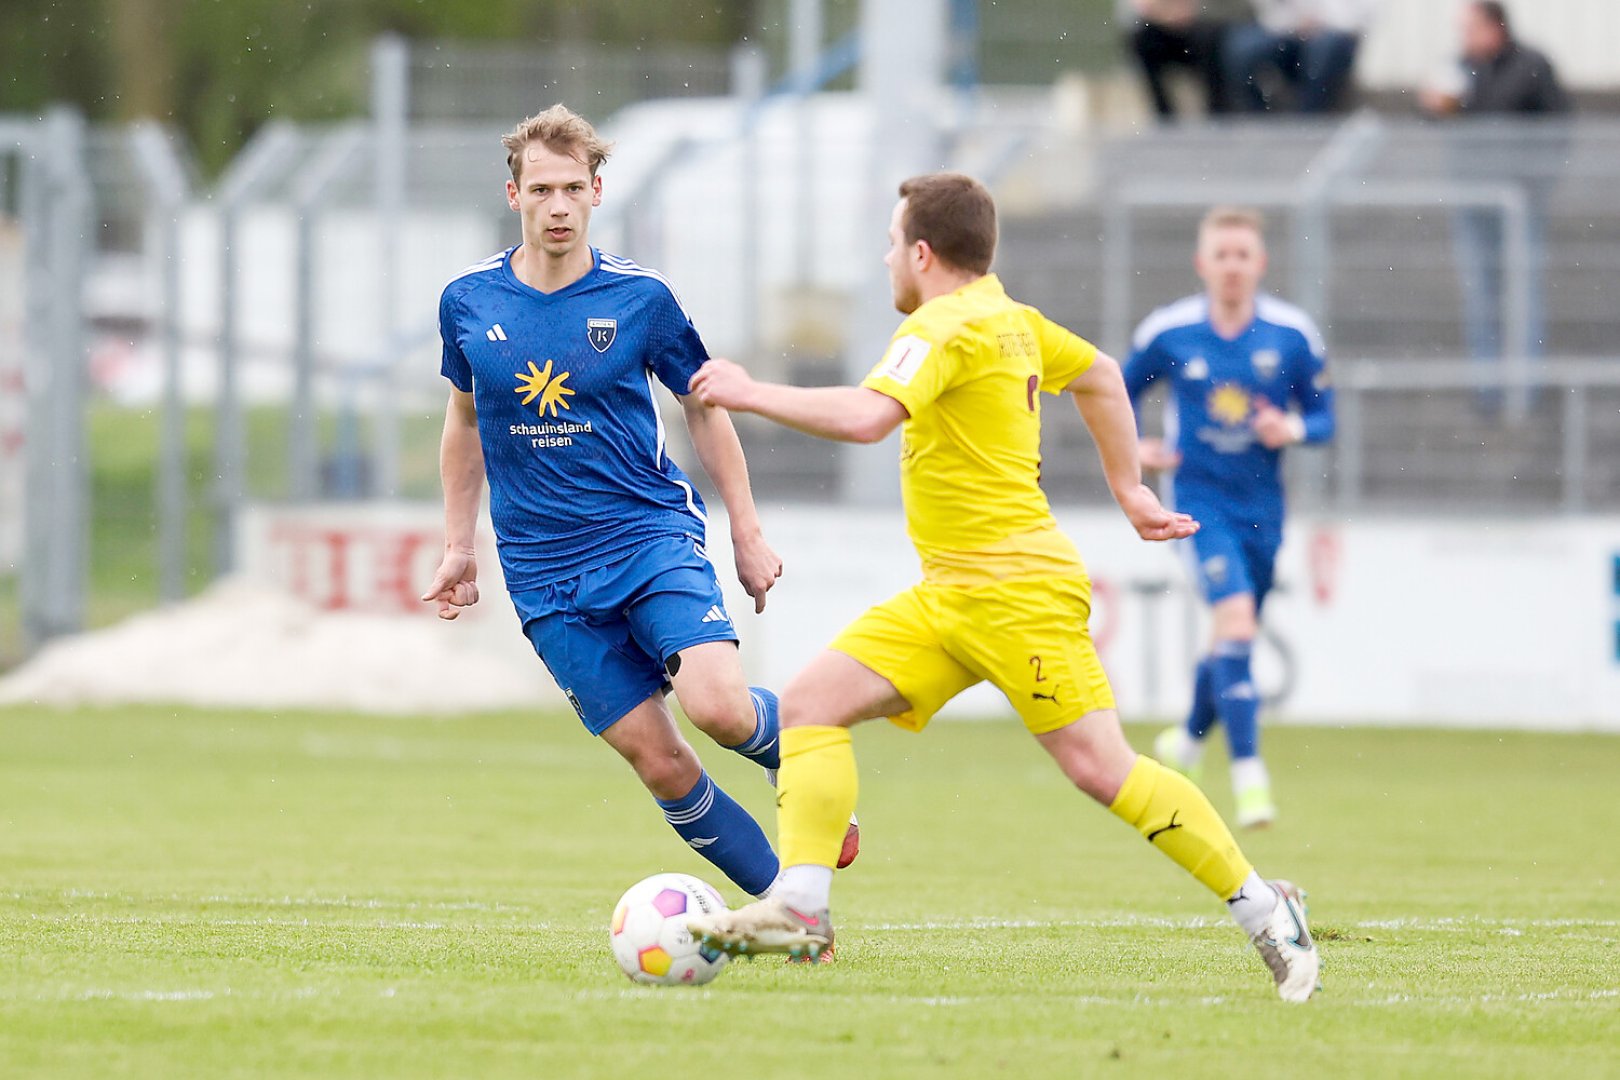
point(1004, 595)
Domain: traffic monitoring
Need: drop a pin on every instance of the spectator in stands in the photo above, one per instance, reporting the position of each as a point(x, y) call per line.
point(1501, 75)
point(1501, 78)
point(1165, 34)
point(1302, 50)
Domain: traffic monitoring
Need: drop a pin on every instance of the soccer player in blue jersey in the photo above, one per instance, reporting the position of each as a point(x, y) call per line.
point(1247, 378)
point(552, 349)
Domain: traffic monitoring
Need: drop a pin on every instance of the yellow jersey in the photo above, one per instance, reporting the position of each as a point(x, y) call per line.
point(970, 367)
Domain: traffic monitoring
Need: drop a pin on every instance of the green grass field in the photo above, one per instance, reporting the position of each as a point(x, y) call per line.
point(236, 894)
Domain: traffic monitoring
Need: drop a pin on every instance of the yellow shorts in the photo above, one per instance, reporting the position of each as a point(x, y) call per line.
point(1029, 638)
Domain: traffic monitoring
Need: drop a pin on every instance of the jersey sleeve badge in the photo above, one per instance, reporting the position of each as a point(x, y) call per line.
point(904, 359)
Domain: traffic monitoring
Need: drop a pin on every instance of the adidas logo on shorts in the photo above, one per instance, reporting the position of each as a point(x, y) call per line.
point(715, 615)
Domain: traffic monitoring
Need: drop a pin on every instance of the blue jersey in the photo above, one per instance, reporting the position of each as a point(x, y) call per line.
point(572, 436)
point(1215, 385)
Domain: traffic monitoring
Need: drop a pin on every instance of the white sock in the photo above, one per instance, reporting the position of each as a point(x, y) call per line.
point(806, 888)
point(1253, 903)
point(1249, 773)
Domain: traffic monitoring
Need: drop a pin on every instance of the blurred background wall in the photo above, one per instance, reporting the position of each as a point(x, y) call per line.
point(223, 228)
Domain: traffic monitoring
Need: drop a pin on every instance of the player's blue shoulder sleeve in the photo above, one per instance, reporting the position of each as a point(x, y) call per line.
point(677, 351)
point(453, 363)
point(1149, 360)
point(1308, 376)
point(1313, 390)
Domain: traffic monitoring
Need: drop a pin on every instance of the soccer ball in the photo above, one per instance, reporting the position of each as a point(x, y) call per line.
point(649, 936)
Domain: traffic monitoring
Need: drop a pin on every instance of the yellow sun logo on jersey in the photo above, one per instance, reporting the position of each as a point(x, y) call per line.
point(540, 384)
point(1229, 403)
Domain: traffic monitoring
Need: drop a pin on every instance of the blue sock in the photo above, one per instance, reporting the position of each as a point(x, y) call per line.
point(1236, 699)
point(764, 746)
point(1203, 715)
point(721, 831)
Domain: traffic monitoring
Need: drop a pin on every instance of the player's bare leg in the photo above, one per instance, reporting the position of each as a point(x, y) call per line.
point(647, 738)
point(710, 686)
point(1175, 817)
point(818, 790)
point(697, 808)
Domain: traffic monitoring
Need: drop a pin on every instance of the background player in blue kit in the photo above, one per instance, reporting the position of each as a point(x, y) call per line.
point(552, 349)
point(1235, 362)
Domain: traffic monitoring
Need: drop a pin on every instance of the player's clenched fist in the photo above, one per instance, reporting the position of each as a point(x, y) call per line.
point(1274, 428)
point(723, 383)
point(455, 586)
point(758, 566)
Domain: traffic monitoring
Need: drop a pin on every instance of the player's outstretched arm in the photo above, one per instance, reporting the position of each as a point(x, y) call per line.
point(461, 469)
point(715, 440)
point(843, 413)
point(1106, 408)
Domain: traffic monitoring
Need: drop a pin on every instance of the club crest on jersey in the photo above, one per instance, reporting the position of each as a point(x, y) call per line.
point(1266, 362)
point(601, 332)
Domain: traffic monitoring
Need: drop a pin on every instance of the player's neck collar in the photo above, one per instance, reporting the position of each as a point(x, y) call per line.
point(511, 275)
point(1218, 327)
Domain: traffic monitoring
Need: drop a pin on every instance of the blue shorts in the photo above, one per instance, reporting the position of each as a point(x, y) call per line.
point(1233, 559)
point(607, 635)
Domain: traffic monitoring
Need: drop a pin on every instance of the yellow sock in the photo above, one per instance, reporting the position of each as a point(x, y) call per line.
point(815, 794)
point(1176, 818)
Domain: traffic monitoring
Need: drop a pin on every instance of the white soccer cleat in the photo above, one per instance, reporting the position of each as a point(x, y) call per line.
point(1255, 810)
point(765, 926)
point(1285, 944)
point(1176, 750)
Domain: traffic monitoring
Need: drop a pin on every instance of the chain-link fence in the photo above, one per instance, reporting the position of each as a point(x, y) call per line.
point(276, 339)
point(1463, 274)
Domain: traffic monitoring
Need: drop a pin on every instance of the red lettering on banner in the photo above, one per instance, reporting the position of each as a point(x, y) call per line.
point(1326, 551)
point(365, 568)
point(396, 572)
point(337, 553)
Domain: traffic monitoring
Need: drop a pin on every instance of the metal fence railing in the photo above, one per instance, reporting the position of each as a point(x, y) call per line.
point(1403, 238)
point(1431, 437)
point(43, 377)
point(287, 319)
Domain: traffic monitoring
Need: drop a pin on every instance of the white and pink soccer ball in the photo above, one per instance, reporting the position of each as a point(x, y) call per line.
point(649, 936)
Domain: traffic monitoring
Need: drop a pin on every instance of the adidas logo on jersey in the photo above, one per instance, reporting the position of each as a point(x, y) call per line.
point(495, 333)
point(715, 615)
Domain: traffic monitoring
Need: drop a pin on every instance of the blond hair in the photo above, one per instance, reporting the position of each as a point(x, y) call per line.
point(562, 131)
point(1234, 217)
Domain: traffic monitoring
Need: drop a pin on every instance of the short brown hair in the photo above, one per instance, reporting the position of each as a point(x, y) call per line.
point(1496, 13)
point(956, 215)
point(562, 131)
point(1237, 217)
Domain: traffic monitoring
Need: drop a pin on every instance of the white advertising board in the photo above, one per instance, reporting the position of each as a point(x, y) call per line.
point(1401, 621)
